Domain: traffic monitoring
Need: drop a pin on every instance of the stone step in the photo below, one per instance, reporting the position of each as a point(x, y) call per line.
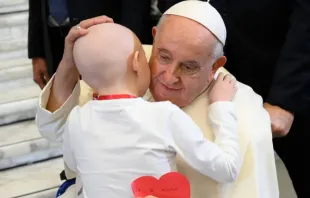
point(18, 111)
point(14, 54)
point(18, 93)
point(13, 63)
point(13, 31)
point(13, 35)
point(21, 143)
point(42, 194)
point(11, 71)
point(7, 6)
point(18, 100)
point(18, 104)
point(27, 89)
point(11, 19)
point(36, 180)
point(13, 45)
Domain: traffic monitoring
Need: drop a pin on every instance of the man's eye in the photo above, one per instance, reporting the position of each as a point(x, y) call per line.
point(188, 67)
point(165, 58)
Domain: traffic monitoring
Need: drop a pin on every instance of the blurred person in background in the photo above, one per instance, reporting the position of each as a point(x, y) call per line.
point(50, 21)
point(268, 48)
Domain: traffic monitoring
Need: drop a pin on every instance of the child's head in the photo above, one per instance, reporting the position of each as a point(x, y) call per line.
point(110, 59)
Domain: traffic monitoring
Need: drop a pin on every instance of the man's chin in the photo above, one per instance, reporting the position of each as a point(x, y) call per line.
point(158, 97)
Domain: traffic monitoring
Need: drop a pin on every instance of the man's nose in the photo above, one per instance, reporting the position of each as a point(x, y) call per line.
point(172, 74)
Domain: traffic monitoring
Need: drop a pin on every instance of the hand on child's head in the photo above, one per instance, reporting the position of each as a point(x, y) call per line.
point(107, 47)
point(223, 89)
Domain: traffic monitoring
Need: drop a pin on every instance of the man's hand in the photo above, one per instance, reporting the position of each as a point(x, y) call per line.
point(76, 33)
point(39, 70)
point(223, 89)
point(67, 74)
point(281, 120)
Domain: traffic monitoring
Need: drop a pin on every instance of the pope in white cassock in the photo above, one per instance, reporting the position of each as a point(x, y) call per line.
point(187, 54)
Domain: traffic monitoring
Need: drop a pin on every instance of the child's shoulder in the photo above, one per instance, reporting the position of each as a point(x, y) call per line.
point(80, 118)
point(78, 111)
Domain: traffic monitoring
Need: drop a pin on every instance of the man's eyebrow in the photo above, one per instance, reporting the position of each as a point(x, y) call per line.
point(164, 50)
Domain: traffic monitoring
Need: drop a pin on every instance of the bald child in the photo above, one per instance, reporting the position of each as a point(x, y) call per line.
point(118, 136)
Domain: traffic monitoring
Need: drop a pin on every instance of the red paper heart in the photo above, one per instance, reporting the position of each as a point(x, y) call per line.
point(170, 185)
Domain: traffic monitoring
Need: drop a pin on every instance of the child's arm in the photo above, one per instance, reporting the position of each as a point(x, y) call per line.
point(219, 160)
point(68, 152)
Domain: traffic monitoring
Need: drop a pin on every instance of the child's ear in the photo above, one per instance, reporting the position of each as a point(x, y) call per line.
point(136, 63)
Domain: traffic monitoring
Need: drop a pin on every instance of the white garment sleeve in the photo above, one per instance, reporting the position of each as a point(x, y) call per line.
point(219, 160)
point(51, 125)
point(68, 146)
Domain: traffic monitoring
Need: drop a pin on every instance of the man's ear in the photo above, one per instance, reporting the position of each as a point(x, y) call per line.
point(220, 62)
point(135, 62)
point(154, 30)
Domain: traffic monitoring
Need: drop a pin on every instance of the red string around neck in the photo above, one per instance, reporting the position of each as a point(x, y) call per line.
point(112, 97)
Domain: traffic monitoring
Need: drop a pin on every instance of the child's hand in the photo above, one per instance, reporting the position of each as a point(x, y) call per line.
point(223, 89)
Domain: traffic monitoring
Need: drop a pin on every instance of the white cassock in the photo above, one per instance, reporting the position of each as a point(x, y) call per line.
point(257, 178)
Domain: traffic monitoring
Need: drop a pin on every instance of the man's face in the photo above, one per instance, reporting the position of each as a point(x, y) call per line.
point(181, 61)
